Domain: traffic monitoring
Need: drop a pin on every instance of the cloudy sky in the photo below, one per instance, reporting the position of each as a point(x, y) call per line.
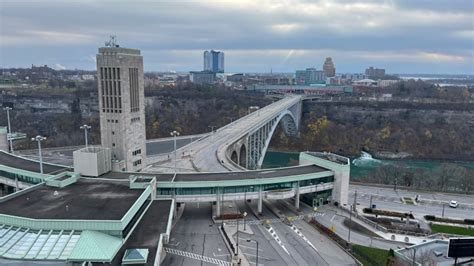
point(403, 36)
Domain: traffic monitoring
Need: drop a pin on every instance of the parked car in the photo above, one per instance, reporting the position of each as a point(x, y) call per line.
point(453, 204)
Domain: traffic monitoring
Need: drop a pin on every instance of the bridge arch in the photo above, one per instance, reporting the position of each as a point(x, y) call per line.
point(243, 156)
point(234, 157)
point(259, 140)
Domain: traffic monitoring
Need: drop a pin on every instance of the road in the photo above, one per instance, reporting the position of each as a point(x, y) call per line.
point(63, 155)
point(336, 219)
point(326, 247)
point(300, 252)
point(195, 232)
point(387, 198)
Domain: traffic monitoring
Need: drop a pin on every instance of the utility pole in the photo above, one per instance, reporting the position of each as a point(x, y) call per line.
point(395, 184)
point(9, 135)
point(370, 205)
point(442, 215)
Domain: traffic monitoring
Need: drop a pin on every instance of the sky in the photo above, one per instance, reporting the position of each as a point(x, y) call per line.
point(402, 36)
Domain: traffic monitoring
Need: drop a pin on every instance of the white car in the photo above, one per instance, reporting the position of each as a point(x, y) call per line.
point(453, 204)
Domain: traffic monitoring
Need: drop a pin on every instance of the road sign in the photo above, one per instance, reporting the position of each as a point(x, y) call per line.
point(461, 247)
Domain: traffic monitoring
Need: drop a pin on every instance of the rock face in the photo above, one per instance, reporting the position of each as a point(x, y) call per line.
point(392, 155)
point(392, 130)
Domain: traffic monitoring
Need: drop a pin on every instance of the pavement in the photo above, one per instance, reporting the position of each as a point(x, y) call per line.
point(432, 203)
point(196, 232)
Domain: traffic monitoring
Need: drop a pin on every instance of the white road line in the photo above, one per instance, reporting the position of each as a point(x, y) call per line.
point(196, 256)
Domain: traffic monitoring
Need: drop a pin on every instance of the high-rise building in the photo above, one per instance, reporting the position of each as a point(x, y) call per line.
point(214, 61)
point(309, 76)
point(329, 68)
point(375, 72)
point(122, 106)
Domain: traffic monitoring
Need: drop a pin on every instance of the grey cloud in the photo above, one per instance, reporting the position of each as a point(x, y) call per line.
point(72, 31)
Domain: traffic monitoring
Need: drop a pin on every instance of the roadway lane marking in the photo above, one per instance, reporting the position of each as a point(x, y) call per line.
point(334, 216)
point(273, 233)
point(298, 232)
point(196, 257)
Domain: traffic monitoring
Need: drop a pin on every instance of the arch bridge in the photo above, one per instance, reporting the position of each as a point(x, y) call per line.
point(240, 145)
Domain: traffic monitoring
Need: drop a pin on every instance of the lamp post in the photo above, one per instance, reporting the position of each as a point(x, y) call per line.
point(237, 249)
point(245, 215)
point(250, 240)
point(350, 225)
point(39, 139)
point(9, 135)
point(174, 133)
point(212, 132)
point(85, 128)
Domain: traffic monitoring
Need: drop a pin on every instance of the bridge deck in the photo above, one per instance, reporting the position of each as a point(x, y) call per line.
point(10, 160)
point(86, 200)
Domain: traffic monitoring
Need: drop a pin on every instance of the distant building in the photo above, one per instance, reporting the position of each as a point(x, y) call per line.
point(310, 76)
point(214, 61)
point(329, 68)
point(320, 90)
point(387, 82)
point(239, 77)
point(122, 106)
point(353, 77)
point(375, 72)
point(365, 82)
point(202, 77)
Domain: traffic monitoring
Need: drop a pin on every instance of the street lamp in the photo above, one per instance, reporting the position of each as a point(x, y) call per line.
point(350, 225)
point(39, 139)
point(250, 240)
point(85, 128)
point(245, 215)
point(8, 109)
point(245, 195)
point(212, 132)
point(174, 133)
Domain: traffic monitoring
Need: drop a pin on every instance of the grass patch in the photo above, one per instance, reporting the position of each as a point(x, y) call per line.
point(371, 256)
point(408, 200)
point(448, 229)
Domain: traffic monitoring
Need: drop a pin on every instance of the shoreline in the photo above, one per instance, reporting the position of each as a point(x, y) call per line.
point(377, 156)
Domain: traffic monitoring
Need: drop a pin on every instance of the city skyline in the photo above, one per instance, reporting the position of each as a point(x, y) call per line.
point(400, 36)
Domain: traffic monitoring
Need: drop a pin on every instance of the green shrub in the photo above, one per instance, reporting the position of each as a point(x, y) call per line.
point(430, 217)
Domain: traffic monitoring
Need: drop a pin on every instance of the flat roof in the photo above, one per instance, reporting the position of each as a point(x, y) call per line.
point(223, 176)
point(147, 233)
point(266, 173)
point(87, 199)
point(10, 160)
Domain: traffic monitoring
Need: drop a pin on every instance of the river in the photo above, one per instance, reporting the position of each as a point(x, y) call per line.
point(360, 166)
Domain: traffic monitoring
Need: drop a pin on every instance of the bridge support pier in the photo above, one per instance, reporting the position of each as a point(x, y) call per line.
point(260, 199)
point(297, 195)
